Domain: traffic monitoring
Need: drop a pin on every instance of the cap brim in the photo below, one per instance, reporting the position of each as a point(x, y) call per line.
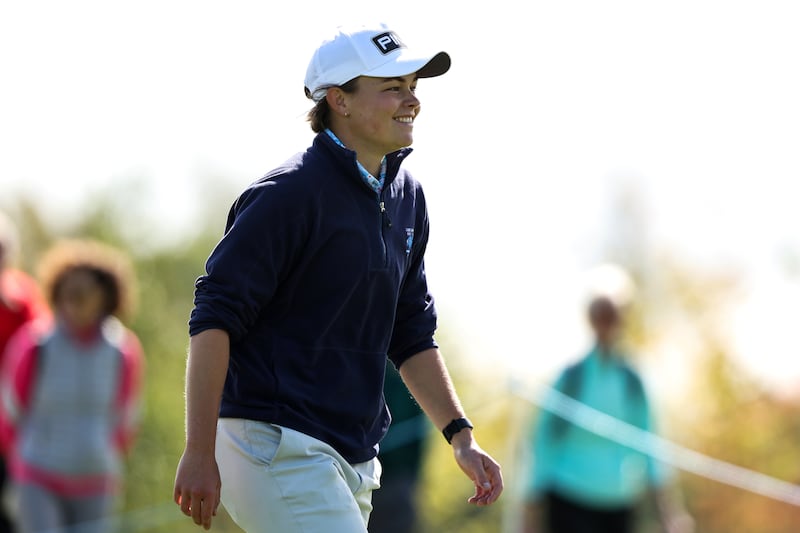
point(402, 65)
point(438, 65)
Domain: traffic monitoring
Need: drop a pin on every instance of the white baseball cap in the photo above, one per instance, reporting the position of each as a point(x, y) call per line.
point(367, 51)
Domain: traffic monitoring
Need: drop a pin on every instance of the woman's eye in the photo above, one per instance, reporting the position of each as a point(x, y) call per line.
point(398, 89)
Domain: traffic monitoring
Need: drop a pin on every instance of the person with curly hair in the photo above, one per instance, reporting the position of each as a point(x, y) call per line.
point(71, 390)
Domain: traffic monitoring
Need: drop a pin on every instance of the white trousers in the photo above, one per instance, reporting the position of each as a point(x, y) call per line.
point(277, 480)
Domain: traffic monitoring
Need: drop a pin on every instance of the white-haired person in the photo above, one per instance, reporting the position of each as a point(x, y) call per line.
point(577, 481)
point(317, 284)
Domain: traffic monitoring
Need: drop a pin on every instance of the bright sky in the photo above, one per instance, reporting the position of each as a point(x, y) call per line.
point(549, 110)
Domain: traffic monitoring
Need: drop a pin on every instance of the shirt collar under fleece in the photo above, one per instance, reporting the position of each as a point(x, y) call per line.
point(376, 184)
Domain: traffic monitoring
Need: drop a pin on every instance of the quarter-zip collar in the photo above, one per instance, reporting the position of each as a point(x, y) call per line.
point(374, 183)
point(348, 157)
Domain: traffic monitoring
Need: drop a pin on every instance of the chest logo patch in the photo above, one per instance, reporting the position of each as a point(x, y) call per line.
point(409, 239)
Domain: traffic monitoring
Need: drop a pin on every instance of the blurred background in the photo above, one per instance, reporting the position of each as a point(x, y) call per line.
point(661, 137)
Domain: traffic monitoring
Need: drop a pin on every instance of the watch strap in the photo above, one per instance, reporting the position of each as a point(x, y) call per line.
point(454, 427)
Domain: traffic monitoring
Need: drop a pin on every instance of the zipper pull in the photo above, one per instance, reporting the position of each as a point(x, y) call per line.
point(385, 216)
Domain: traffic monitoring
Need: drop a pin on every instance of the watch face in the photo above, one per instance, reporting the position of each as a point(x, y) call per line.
point(455, 426)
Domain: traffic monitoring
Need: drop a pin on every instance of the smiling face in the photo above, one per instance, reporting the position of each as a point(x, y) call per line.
point(376, 119)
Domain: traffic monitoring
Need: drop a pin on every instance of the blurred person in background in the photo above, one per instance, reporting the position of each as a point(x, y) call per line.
point(318, 278)
point(581, 482)
point(20, 302)
point(71, 391)
point(402, 452)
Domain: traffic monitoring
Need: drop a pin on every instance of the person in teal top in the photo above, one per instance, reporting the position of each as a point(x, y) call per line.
point(579, 481)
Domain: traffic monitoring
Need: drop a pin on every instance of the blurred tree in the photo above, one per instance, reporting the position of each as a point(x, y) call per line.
point(445, 490)
point(725, 414)
point(684, 311)
point(166, 276)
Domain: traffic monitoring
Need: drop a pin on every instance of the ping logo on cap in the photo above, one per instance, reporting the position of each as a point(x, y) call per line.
point(387, 42)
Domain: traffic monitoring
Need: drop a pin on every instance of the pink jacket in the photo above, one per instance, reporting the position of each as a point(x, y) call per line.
point(70, 405)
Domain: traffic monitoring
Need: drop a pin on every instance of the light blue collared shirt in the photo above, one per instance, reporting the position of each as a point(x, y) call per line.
point(376, 184)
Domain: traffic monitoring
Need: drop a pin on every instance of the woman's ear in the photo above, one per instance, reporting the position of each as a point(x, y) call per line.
point(337, 101)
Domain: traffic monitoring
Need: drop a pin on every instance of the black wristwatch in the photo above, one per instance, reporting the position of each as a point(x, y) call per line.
point(454, 427)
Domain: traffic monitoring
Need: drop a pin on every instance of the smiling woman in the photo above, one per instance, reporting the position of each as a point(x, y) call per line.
point(375, 119)
point(363, 98)
point(318, 283)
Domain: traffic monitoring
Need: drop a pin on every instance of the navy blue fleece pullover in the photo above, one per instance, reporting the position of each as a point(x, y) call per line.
point(316, 280)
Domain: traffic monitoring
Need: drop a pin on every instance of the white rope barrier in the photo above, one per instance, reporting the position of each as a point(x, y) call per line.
point(655, 446)
point(581, 415)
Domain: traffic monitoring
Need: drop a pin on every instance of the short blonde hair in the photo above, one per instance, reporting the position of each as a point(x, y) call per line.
point(9, 239)
point(111, 266)
point(319, 116)
point(612, 282)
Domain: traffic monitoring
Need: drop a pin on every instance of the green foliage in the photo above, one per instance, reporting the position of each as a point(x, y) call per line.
point(165, 279)
point(726, 416)
point(730, 416)
point(444, 488)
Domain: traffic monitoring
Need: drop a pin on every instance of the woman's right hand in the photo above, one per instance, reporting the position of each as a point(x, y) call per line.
point(198, 487)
